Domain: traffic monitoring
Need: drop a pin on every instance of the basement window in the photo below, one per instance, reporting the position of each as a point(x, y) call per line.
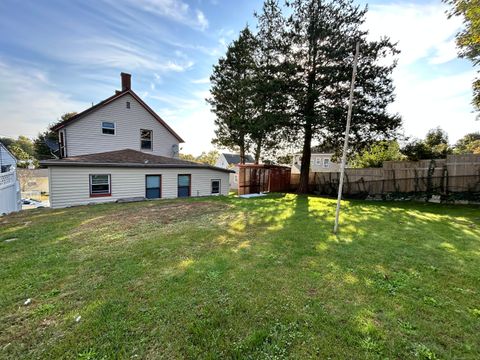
point(100, 185)
point(108, 128)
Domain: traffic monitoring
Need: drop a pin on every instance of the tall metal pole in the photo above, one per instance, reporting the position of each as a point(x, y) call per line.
point(347, 131)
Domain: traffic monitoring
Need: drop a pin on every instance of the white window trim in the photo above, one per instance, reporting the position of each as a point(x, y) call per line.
point(326, 163)
point(318, 161)
point(90, 184)
point(114, 128)
point(151, 140)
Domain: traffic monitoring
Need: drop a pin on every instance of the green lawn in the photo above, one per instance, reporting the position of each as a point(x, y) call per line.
point(256, 278)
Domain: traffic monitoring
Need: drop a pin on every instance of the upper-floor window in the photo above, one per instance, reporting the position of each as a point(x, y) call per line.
point(128, 104)
point(326, 163)
point(63, 152)
point(108, 128)
point(146, 139)
point(318, 161)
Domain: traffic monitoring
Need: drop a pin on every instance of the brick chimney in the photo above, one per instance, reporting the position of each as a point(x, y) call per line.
point(126, 81)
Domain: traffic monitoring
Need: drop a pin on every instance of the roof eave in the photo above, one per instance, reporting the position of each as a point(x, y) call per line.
point(130, 165)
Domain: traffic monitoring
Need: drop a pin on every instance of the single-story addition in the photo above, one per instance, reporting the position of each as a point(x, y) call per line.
point(130, 174)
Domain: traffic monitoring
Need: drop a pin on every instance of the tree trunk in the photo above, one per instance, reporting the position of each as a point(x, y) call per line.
point(258, 149)
point(242, 149)
point(306, 155)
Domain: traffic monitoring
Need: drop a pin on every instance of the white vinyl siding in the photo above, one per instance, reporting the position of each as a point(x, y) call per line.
point(319, 163)
point(70, 185)
point(6, 159)
point(85, 136)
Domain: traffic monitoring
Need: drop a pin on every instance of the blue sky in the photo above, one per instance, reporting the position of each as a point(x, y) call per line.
point(60, 56)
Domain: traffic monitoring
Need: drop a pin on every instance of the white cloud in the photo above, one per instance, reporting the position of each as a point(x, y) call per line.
point(29, 101)
point(115, 53)
point(421, 30)
point(176, 10)
point(430, 92)
point(202, 20)
point(205, 80)
point(442, 101)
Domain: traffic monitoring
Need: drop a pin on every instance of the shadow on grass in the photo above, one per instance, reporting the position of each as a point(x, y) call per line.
point(245, 278)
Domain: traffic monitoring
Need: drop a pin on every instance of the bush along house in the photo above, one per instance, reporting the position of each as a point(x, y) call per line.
point(120, 149)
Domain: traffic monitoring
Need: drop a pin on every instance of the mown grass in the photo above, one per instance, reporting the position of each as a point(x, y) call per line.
point(236, 278)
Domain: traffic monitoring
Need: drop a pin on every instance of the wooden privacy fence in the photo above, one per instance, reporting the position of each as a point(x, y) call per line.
point(458, 174)
point(254, 179)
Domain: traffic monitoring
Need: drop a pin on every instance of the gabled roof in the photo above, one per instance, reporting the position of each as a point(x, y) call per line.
point(128, 158)
point(7, 151)
point(234, 159)
point(107, 101)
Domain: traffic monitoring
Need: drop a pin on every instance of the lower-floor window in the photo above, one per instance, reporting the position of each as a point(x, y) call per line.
point(184, 185)
point(100, 185)
point(215, 186)
point(153, 185)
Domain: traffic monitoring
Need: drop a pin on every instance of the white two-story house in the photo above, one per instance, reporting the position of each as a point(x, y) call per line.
point(121, 149)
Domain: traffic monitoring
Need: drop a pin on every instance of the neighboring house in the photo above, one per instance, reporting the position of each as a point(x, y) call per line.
point(9, 186)
point(121, 149)
point(33, 182)
point(230, 161)
point(319, 162)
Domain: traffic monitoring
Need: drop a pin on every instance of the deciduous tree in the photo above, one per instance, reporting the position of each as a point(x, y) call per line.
point(469, 144)
point(376, 154)
point(468, 39)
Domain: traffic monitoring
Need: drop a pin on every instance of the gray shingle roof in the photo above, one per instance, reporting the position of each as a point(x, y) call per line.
point(234, 159)
point(128, 158)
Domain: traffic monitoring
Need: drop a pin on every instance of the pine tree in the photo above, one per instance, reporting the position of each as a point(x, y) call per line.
point(272, 74)
point(322, 37)
point(232, 94)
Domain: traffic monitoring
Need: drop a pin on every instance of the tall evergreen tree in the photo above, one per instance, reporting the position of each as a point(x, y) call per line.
point(322, 35)
point(272, 74)
point(233, 95)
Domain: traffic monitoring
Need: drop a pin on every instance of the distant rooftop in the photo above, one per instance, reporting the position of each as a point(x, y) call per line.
point(234, 159)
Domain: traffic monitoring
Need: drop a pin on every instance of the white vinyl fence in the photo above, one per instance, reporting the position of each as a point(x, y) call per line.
point(9, 192)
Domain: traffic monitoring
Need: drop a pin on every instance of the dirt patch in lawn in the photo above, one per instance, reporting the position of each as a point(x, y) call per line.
point(151, 213)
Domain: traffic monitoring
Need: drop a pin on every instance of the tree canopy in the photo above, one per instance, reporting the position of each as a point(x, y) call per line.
point(232, 94)
point(469, 144)
point(468, 39)
point(290, 81)
point(42, 150)
point(209, 157)
point(434, 146)
point(376, 154)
